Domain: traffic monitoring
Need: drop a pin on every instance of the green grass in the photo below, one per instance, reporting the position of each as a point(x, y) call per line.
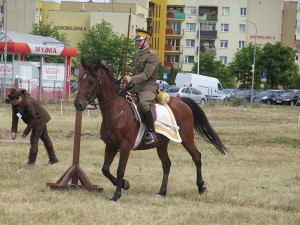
point(258, 182)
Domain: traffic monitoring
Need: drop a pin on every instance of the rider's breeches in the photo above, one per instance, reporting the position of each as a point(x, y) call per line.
point(146, 98)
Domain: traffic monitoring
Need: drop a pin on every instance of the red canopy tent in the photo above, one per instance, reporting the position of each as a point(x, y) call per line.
point(28, 44)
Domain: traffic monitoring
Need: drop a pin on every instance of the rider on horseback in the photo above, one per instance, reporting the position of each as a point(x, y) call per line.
point(144, 79)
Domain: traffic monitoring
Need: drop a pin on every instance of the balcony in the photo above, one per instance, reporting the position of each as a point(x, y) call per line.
point(209, 50)
point(208, 13)
point(173, 49)
point(206, 17)
point(176, 65)
point(173, 32)
point(175, 16)
point(208, 34)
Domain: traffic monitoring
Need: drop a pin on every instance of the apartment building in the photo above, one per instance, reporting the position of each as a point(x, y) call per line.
point(180, 27)
point(225, 26)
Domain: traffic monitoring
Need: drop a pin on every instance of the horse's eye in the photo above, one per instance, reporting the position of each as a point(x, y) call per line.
point(91, 83)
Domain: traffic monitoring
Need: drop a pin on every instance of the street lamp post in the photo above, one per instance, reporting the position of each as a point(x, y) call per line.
point(254, 55)
point(5, 49)
point(199, 40)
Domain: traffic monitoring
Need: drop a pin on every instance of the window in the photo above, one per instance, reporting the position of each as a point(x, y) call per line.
point(190, 43)
point(192, 11)
point(186, 91)
point(189, 59)
point(224, 27)
point(224, 44)
point(241, 44)
point(225, 11)
point(191, 26)
point(243, 12)
point(242, 28)
point(223, 59)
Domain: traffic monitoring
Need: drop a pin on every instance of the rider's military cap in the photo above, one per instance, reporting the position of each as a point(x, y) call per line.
point(142, 34)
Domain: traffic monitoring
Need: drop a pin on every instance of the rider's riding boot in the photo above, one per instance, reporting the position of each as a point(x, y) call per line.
point(51, 153)
point(32, 156)
point(150, 135)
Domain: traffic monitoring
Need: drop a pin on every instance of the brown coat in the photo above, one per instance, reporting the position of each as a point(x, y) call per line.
point(33, 114)
point(145, 70)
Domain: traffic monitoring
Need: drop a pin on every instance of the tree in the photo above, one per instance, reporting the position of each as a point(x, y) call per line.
point(214, 68)
point(241, 66)
point(48, 31)
point(101, 43)
point(274, 60)
point(278, 62)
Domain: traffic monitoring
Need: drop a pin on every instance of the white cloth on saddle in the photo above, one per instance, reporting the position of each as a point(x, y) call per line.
point(165, 124)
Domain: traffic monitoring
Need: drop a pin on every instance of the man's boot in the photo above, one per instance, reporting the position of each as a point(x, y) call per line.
point(51, 153)
point(150, 134)
point(32, 156)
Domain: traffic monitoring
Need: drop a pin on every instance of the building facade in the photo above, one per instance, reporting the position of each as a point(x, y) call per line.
point(182, 29)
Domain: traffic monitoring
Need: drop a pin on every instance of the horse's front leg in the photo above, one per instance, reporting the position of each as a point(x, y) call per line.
point(109, 156)
point(162, 152)
point(120, 174)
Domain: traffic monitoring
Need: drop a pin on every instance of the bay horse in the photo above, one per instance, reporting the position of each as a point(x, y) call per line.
point(119, 126)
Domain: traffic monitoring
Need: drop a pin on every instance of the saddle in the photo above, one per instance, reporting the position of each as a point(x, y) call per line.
point(133, 100)
point(164, 120)
point(132, 97)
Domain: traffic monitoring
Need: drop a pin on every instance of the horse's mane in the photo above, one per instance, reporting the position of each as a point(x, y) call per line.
point(95, 66)
point(109, 72)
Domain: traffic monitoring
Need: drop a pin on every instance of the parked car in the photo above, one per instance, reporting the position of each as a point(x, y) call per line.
point(162, 85)
point(225, 94)
point(73, 87)
point(268, 96)
point(192, 93)
point(288, 98)
point(244, 94)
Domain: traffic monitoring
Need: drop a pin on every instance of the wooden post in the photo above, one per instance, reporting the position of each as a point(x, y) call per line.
point(75, 173)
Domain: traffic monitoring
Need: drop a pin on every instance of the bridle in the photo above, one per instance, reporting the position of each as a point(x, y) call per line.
point(92, 96)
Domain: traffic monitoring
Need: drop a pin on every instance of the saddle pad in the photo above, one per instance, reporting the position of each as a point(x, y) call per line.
point(165, 123)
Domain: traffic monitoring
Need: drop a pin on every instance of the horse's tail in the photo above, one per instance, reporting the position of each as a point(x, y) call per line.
point(202, 125)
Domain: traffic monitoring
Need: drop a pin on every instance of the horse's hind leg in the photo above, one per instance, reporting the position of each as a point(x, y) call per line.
point(196, 156)
point(162, 152)
point(109, 156)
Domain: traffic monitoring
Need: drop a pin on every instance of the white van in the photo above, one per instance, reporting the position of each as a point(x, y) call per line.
point(209, 86)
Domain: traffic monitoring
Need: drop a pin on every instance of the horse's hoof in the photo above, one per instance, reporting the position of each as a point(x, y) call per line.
point(158, 195)
point(126, 185)
point(113, 199)
point(161, 194)
point(202, 190)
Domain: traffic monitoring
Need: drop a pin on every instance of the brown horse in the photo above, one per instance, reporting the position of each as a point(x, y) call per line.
point(119, 127)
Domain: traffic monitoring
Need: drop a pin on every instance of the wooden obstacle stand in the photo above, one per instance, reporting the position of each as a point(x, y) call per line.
point(75, 173)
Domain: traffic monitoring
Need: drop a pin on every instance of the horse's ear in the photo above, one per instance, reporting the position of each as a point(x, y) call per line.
point(97, 65)
point(83, 63)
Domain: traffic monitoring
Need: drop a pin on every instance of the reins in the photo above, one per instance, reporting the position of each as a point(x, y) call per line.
point(106, 102)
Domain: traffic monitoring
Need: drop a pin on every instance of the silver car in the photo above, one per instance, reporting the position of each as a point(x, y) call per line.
point(192, 93)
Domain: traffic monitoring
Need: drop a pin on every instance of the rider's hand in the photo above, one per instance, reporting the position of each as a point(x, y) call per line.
point(127, 79)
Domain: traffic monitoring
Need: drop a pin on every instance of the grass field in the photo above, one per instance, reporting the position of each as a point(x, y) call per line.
point(258, 182)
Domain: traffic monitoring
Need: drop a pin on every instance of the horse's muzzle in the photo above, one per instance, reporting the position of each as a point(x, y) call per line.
point(80, 106)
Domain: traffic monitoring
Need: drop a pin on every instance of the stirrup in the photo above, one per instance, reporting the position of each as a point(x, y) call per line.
point(149, 138)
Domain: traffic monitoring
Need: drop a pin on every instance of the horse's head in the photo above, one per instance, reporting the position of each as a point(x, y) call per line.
point(88, 82)
point(96, 81)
